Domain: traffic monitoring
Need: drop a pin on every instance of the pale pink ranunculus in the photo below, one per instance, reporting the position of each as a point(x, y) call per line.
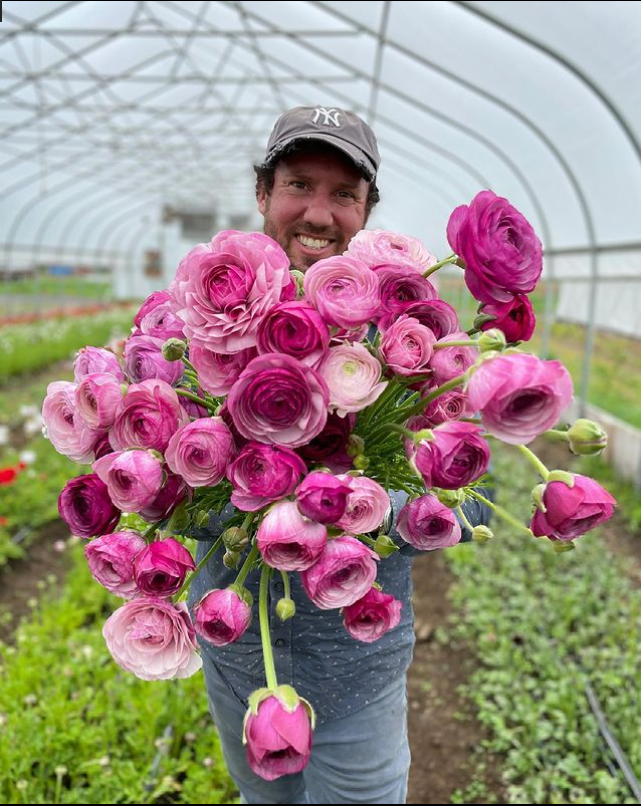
point(85, 506)
point(287, 540)
point(200, 451)
point(221, 616)
point(262, 474)
point(502, 254)
point(569, 512)
point(97, 398)
point(407, 347)
point(156, 317)
point(161, 567)
point(278, 737)
point(519, 395)
point(456, 456)
point(342, 574)
point(353, 376)
point(296, 329)
point(144, 360)
point(153, 638)
point(344, 291)
point(133, 478)
point(372, 616)
point(322, 497)
point(400, 286)
point(448, 362)
point(367, 504)
point(217, 372)
point(223, 289)
point(111, 561)
point(515, 318)
point(279, 400)
point(65, 427)
point(427, 524)
point(377, 247)
point(96, 359)
point(149, 414)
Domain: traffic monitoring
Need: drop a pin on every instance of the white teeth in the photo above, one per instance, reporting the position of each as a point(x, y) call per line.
point(313, 243)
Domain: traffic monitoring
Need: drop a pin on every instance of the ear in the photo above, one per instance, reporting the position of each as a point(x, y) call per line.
point(262, 198)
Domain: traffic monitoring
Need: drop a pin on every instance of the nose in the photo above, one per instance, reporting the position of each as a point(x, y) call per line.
point(319, 212)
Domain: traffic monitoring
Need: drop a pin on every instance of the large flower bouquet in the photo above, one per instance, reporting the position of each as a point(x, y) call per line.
point(303, 400)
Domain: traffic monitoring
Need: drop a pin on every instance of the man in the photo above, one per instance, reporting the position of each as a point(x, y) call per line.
point(315, 190)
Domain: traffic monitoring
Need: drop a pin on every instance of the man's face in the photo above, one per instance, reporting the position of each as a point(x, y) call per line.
point(316, 206)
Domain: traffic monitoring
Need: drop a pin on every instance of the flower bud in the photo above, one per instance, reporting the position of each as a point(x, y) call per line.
point(361, 462)
point(492, 339)
point(483, 319)
point(173, 349)
point(425, 434)
point(285, 609)
point(559, 546)
point(235, 538)
point(385, 546)
point(355, 445)
point(451, 498)
point(298, 277)
point(481, 534)
point(202, 519)
point(587, 438)
point(231, 559)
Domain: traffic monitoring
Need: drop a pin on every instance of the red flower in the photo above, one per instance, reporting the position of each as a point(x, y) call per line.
point(8, 475)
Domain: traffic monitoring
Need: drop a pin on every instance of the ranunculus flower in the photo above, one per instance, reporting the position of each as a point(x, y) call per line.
point(342, 574)
point(85, 506)
point(161, 567)
point(353, 376)
point(194, 410)
point(376, 247)
point(452, 405)
point(287, 540)
point(102, 446)
point(572, 511)
point(501, 251)
point(367, 504)
point(456, 456)
point(519, 395)
point(427, 524)
point(435, 314)
point(322, 497)
point(278, 734)
point(515, 318)
point(262, 474)
point(448, 362)
point(144, 360)
point(200, 452)
point(217, 372)
point(156, 317)
point(133, 478)
point(329, 448)
point(173, 491)
point(222, 290)
point(96, 359)
point(372, 616)
point(148, 416)
point(69, 434)
point(111, 561)
point(97, 398)
point(344, 291)
point(296, 329)
point(153, 638)
point(280, 401)
point(407, 346)
point(221, 616)
point(155, 299)
point(399, 287)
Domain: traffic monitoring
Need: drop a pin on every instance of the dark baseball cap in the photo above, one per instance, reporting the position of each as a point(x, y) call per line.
point(336, 127)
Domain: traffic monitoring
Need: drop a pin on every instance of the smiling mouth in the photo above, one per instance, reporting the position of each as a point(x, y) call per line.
point(313, 243)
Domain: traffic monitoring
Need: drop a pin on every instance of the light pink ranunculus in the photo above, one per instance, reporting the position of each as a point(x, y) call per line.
point(96, 359)
point(111, 561)
point(448, 362)
point(98, 396)
point(367, 504)
point(344, 291)
point(342, 574)
point(144, 360)
point(161, 567)
point(427, 524)
point(133, 478)
point(221, 616)
point(262, 474)
point(407, 347)
point(501, 251)
point(66, 429)
point(519, 395)
point(455, 457)
point(223, 289)
point(200, 452)
point(376, 247)
point(322, 497)
point(278, 737)
point(287, 540)
point(296, 329)
point(149, 414)
point(217, 372)
point(515, 318)
point(400, 286)
point(279, 400)
point(372, 616)
point(353, 376)
point(153, 639)
point(572, 511)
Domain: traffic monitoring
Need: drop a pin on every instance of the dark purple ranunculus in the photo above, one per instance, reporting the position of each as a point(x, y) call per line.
point(262, 474)
point(173, 491)
point(322, 497)
point(455, 457)
point(515, 318)
point(85, 506)
point(161, 567)
point(296, 329)
point(329, 448)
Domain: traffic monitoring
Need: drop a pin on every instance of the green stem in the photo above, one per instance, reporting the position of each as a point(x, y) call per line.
point(556, 436)
point(424, 402)
point(287, 590)
point(151, 531)
point(502, 513)
point(406, 432)
point(446, 261)
point(464, 519)
point(198, 569)
point(462, 343)
point(535, 461)
point(247, 565)
point(195, 398)
point(189, 365)
point(263, 614)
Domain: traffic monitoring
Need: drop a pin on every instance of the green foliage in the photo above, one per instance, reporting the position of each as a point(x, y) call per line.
point(64, 286)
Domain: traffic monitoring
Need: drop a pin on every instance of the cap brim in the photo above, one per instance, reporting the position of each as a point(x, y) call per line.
point(356, 155)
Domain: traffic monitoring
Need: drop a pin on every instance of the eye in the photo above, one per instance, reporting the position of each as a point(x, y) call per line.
point(297, 183)
point(345, 194)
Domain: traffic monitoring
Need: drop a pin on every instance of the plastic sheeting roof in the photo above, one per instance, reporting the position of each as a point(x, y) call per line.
point(110, 111)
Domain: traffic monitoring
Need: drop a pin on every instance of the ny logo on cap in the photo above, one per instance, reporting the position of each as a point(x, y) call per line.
point(329, 116)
